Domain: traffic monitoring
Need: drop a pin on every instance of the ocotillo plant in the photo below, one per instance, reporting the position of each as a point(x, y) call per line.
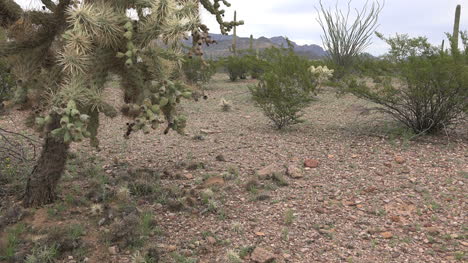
point(65, 54)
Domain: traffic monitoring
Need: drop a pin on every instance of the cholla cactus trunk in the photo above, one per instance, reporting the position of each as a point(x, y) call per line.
point(67, 52)
point(42, 182)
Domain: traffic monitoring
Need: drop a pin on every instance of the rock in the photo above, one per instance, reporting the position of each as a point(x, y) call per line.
point(399, 159)
point(320, 210)
point(311, 163)
point(432, 230)
point(294, 172)
point(261, 255)
point(268, 171)
point(386, 235)
point(188, 176)
point(171, 248)
point(211, 240)
point(220, 158)
point(212, 181)
point(206, 131)
point(262, 197)
point(114, 250)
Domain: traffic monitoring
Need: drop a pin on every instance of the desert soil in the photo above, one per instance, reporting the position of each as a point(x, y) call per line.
point(378, 193)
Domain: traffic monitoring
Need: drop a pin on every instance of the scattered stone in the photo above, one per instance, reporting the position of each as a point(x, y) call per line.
point(432, 230)
point(370, 189)
point(294, 172)
point(206, 131)
point(220, 158)
point(311, 163)
point(261, 255)
point(212, 181)
point(263, 197)
point(171, 248)
point(268, 171)
point(211, 240)
point(399, 159)
point(325, 232)
point(188, 176)
point(386, 235)
point(114, 250)
point(320, 210)
point(261, 234)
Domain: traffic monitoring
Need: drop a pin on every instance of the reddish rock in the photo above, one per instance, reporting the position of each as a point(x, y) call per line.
point(311, 163)
point(212, 181)
point(261, 255)
point(399, 159)
point(386, 235)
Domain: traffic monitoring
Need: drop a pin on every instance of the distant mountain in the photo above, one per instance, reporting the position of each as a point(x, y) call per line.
point(222, 48)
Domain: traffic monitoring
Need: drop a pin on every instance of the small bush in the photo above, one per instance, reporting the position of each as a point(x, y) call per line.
point(285, 88)
point(256, 65)
point(429, 93)
point(6, 80)
point(197, 70)
point(237, 67)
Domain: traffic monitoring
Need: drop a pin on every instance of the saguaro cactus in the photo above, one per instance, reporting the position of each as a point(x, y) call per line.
point(234, 36)
point(456, 28)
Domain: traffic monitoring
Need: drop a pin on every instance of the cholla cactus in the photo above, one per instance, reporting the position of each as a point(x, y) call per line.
point(321, 75)
point(225, 105)
point(67, 52)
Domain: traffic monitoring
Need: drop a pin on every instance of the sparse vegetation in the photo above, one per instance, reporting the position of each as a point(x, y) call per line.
point(348, 184)
point(285, 88)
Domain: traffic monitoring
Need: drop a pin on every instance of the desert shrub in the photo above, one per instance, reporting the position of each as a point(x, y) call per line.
point(236, 67)
point(285, 88)
point(256, 66)
point(197, 70)
point(6, 80)
point(430, 91)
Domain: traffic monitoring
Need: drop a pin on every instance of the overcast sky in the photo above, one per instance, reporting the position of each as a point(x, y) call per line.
point(296, 19)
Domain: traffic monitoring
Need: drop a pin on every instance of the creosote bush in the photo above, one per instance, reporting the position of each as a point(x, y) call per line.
point(197, 70)
point(285, 88)
point(430, 90)
point(237, 67)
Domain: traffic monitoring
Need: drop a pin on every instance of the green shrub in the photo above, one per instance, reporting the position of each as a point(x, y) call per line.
point(256, 66)
point(430, 91)
point(6, 80)
point(197, 70)
point(237, 67)
point(285, 88)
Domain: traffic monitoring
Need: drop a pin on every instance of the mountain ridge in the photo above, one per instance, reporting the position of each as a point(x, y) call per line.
point(224, 43)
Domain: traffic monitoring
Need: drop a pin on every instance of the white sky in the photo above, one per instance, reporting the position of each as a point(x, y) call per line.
point(296, 19)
